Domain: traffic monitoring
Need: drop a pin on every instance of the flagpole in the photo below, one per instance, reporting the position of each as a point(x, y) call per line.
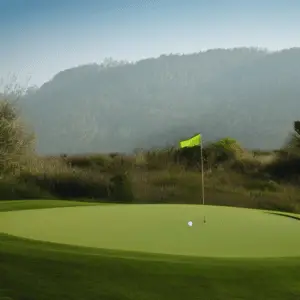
point(202, 177)
point(202, 173)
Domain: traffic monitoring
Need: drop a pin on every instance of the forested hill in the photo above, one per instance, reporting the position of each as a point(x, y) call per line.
point(248, 94)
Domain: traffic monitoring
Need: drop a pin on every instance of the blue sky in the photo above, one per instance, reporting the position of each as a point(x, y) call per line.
point(39, 38)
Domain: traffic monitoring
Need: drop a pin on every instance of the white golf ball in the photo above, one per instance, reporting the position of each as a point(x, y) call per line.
point(190, 223)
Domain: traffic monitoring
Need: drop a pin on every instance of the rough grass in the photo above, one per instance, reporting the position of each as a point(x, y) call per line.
point(222, 187)
point(155, 178)
point(39, 204)
point(233, 175)
point(36, 270)
point(243, 183)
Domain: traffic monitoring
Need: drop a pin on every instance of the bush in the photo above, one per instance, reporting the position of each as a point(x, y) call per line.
point(285, 168)
point(275, 203)
point(190, 158)
point(293, 144)
point(159, 159)
point(104, 163)
point(120, 188)
point(246, 165)
point(262, 185)
point(70, 185)
point(214, 154)
point(89, 161)
point(13, 189)
point(224, 150)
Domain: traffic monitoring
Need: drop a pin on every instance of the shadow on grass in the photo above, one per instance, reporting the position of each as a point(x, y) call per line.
point(284, 215)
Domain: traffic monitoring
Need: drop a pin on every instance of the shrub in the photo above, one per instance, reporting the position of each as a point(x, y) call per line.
point(71, 184)
point(262, 185)
point(245, 165)
point(104, 163)
point(224, 150)
point(120, 188)
point(159, 159)
point(190, 158)
point(88, 161)
point(285, 167)
point(293, 144)
point(14, 189)
point(273, 202)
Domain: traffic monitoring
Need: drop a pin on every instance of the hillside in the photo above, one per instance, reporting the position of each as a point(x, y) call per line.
point(248, 94)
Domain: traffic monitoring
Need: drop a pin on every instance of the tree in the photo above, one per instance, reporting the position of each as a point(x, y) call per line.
point(292, 146)
point(297, 127)
point(15, 141)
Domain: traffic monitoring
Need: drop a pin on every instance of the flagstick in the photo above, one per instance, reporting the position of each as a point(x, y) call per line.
point(202, 175)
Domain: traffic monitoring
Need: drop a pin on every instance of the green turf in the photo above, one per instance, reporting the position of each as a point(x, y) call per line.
point(44, 271)
point(228, 232)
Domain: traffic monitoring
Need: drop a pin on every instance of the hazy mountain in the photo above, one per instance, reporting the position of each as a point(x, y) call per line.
point(248, 94)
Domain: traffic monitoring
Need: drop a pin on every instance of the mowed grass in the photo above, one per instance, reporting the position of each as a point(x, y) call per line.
point(227, 232)
point(38, 270)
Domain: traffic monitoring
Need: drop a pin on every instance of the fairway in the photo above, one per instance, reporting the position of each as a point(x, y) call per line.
point(228, 232)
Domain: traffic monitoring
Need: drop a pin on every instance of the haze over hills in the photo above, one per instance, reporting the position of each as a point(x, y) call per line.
point(251, 95)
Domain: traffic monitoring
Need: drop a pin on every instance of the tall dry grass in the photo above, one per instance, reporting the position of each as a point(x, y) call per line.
point(232, 175)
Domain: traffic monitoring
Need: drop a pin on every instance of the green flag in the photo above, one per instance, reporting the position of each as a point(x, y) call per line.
point(194, 141)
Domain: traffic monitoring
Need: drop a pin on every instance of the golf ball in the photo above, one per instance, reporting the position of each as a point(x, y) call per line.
point(190, 223)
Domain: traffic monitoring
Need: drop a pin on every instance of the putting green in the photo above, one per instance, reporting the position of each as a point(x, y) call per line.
point(228, 232)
